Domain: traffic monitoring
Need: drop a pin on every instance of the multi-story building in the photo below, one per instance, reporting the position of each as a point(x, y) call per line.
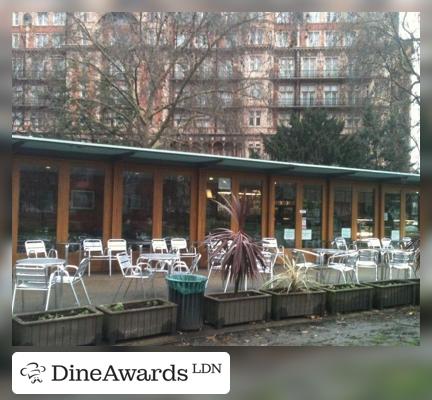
point(278, 64)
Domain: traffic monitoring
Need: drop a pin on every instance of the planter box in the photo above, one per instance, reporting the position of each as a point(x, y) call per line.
point(139, 319)
point(416, 291)
point(392, 293)
point(341, 299)
point(222, 309)
point(285, 305)
point(74, 328)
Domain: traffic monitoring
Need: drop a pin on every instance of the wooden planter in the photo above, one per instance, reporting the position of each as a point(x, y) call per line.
point(73, 329)
point(416, 291)
point(343, 300)
point(139, 319)
point(222, 309)
point(285, 305)
point(393, 293)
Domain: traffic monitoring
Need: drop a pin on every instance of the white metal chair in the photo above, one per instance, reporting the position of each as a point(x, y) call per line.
point(270, 244)
point(180, 245)
point(368, 258)
point(159, 246)
point(215, 255)
point(340, 243)
point(62, 275)
point(400, 260)
point(300, 261)
point(374, 243)
point(270, 261)
point(93, 250)
point(195, 263)
point(35, 248)
point(344, 264)
point(180, 267)
point(115, 246)
point(138, 272)
point(386, 243)
point(33, 279)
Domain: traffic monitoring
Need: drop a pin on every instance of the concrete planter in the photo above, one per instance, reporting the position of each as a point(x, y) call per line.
point(74, 327)
point(221, 309)
point(342, 299)
point(139, 319)
point(393, 293)
point(286, 305)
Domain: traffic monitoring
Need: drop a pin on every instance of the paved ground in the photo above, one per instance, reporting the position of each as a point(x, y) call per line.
point(390, 327)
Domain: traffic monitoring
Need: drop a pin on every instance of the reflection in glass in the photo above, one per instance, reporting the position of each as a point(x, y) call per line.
point(86, 203)
point(342, 211)
point(285, 213)
point(176, 206)
point(392, 203)
point(252, 189)
point(312, 220)
point(137, 205)
point(37, 205)
point(365, 214)
point(412, 215)
point(215, 190)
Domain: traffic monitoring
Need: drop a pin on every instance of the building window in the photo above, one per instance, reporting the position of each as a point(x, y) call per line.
point(202, 42)
point(202, 100)
point(331, 39)
point(331, 67)
point(36, 121)
point(313, 39)
point(256, 91)
point(284, 119)
point(58, 66)
point(17, 120)
point(258, 16)
point(202, 122)
point(286, 96)
point(41, 40)
point(58, 40)
point(137, 213)
point(308, 95)
point(42, 18)
point(282, 39)
point(366, 214)
point(412, 215)
point(179, 120)
point(225, 69)
point(254, 64)
point(15, 19)
point(352, 123)
point(217, 189)
point(39, 68)
point(332, 17)
point(206, 69)
point(17, 94)
point(283, 17)
point(349, 38)
point(256, 37)
point(18, 67)
point(82, 16)
point(180, 40)
point(312, 16)
point(286, 67)
point(285, 213)
point(331, 95)
point(392, 215)
point(312, 220)
point(342, 209)
point(15, 40)
point(179, 71)
point(59, 18)
point(254, 118)
point(226, 98)
point(308, 67)
point(252, 190)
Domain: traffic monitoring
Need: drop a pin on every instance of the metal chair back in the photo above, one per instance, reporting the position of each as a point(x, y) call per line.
point(340, 243)
point(159, 246)
point(82, 268)
point(93, 246)
point(368, 255)
point(386, 243)
point(124, 262)
point(374, 243)
point(34, 248)
point(195, 262)
point(117, 245)
point(179, 244)
point(31, 278)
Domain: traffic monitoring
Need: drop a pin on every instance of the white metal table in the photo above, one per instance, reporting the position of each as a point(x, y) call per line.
point(169, 258)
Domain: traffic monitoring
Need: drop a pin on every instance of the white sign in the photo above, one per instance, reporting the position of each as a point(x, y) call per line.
point(120, 372)
point(307, 234)
point(385, 216)
point(346, 233)
point(289, 234)
point(302, 211)
point(304, 223)
point(395, 234)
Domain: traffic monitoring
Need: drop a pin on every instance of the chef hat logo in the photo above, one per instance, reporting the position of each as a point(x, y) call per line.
point(32, 371)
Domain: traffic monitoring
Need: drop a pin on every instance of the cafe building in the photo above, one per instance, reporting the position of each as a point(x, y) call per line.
point(64, 192)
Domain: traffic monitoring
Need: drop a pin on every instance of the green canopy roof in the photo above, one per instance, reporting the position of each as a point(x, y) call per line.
point(94, 151)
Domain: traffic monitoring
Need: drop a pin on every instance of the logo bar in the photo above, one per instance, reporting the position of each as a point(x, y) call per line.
point(121, 373)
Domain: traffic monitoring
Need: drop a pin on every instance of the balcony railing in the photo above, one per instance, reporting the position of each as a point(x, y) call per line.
point(330, 103)
point(311, 74)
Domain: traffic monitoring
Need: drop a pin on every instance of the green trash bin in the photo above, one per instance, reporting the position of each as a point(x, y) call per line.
point(187, 291)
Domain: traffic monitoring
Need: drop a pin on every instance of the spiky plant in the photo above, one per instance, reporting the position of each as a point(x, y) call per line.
point(242, 253)
point(292, 279)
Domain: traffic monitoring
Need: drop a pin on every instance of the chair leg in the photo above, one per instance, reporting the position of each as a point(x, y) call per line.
point(118, 290)
point(74, 292)
point(13, 297)
point(89, 267)
point(47, 298)
point(391, 273)
point(143, 289)
point(376, 273)
point(208, 277)
point(227, 281)
point(85, 291)
point(110, 265)
point(343, 275)
point(128, 286)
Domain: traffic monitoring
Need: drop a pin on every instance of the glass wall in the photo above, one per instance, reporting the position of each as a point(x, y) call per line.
point(176, 206)
point(217, 189)
point(412, 215)
point(312, 216)
point(252, 189)
point(342, 212)
point(366, 214)
point(285, 213)
point(392, 210)
point(86, 203)
point(37, 205)
point(137, 215)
